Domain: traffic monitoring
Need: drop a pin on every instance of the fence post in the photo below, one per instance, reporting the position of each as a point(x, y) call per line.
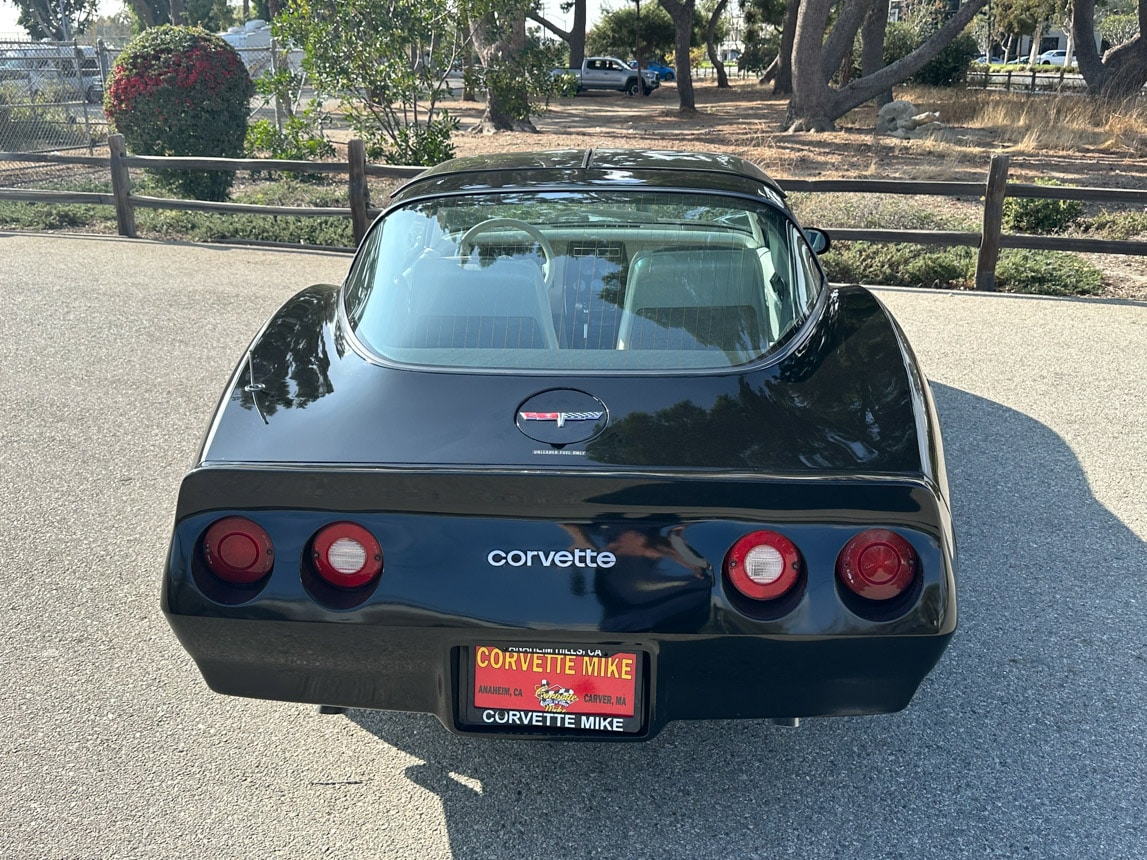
point(359, 193)
point(993, 223)
point(121, 187)
point(274, 72)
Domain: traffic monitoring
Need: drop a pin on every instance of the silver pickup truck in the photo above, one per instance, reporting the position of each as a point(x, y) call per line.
point(610, 73)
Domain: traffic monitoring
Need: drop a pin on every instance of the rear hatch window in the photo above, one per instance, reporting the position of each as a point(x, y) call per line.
point(581, 280)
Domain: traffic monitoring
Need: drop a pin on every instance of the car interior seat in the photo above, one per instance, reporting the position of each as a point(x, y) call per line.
point(696, 299)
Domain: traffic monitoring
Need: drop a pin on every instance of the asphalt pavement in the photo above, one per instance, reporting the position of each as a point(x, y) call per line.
point(1028, 740)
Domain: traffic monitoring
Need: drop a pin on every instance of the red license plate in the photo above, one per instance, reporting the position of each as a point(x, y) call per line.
point(556, 687)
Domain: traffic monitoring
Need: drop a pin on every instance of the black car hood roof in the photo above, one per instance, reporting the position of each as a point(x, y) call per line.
point(592, 167)
point(845, 398)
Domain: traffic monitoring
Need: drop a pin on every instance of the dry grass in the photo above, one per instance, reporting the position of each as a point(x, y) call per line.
point(1023, 124)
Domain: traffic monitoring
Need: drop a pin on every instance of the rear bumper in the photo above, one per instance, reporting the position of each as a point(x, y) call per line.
point(684, 677)
point(450, 584)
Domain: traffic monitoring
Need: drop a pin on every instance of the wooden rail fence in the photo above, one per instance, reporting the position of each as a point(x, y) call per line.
point(989, 241)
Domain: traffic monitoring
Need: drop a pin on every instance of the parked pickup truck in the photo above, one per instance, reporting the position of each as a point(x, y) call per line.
point(610, 73)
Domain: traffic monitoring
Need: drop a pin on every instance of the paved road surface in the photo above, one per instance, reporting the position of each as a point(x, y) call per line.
point(1029, 740)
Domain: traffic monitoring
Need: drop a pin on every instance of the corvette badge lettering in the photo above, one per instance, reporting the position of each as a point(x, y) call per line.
point(560, 417)
point(555, 558)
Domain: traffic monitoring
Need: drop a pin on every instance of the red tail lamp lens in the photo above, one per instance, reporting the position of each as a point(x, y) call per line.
point(763, 565)
point(238, 551)
point(877, 564)
point(346, 555)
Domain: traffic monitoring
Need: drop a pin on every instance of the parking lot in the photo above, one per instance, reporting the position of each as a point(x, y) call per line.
point(1027, 740)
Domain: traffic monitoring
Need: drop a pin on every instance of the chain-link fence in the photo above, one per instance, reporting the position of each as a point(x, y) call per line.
point(51, 100)
point(51, 96)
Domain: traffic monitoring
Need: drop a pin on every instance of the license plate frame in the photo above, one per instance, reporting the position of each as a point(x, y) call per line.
point(553, 689)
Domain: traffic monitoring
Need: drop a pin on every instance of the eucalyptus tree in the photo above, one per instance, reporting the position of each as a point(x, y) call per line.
point(711, 35)
point(516, 65)
point(763, 17)
point(682, 12)
point(42, 19)
point(1121, 72)
point(622, 31)
point(818, 51)
point(575, 36)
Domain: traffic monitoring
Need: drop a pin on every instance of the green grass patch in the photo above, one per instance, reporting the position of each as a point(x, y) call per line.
point(37, 216)
point(900, 265)
point(1048, 273)
point(1115, 225)
point(200, 226)
point(210, 227)
point(881, 211)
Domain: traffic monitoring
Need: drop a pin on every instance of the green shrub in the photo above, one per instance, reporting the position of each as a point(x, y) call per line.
point(428, 143)
point(210, 227)
point(1038, 215)
point(37, 216)
point(1048, 273)
point(1116, 225)
point(180, 91)
point(300, 139)
point(946, 69)
point(899, 265)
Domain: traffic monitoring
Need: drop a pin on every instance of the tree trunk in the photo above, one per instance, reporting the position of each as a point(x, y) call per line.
point(840, 40)
point(143, 10)
point(1122, 72)
point(711, 48)
point(497, 44)
point(574, 37)
point(1126, 66)
point(872, 45)
point(681, 11)
point(810, 106)
point(783, 81)
point(770, 71)
point(815, 105)
point(1034, 53)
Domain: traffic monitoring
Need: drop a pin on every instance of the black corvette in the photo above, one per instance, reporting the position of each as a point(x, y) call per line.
point(584, 444)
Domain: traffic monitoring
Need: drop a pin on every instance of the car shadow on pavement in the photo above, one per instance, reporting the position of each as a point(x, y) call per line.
point(1026, 739)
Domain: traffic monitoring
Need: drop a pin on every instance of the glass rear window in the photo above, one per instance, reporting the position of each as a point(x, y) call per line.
point(581, 280)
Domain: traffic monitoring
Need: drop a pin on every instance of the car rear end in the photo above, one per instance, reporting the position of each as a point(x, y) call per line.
point(641, 599)
point(584, 445)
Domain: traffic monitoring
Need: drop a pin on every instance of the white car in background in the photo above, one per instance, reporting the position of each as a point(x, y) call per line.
point(51, 70)
point(1052, 58)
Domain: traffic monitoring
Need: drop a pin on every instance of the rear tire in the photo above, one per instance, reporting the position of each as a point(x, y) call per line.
point(632, 87)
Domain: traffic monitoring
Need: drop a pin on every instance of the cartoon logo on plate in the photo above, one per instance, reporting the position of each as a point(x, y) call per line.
point(561, 416)
point(554, 697)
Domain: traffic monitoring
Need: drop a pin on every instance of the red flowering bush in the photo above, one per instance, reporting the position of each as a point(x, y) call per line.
point(181, 91)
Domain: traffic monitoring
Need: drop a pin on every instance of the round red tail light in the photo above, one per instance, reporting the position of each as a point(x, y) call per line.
point(763, 565)
point(877, 564)
point(238, 551)
point(346, 555)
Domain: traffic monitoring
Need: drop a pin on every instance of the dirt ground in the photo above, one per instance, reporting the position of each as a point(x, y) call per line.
point(747, 121)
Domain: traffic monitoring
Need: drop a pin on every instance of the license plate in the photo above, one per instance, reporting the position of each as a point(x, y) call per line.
point(556, 688)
